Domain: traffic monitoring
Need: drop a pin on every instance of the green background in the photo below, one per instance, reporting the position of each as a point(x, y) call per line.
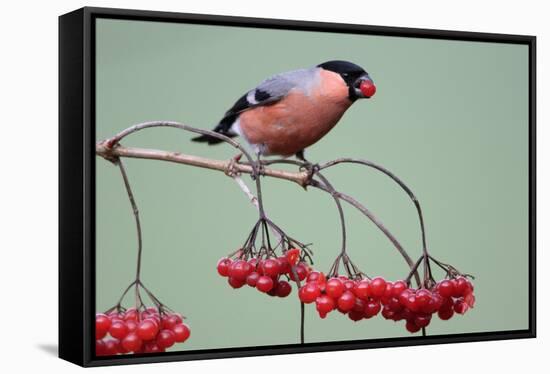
point(449, 117)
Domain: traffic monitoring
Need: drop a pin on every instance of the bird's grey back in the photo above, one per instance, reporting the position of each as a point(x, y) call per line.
point(279, 85)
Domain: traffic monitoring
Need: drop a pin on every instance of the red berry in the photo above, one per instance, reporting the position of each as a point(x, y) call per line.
point(355, 315)
point(367, 87)
point(253, 262)
point(334, 288)
point(460, 307)
point(178, 317)
point(271, 267)
point(131, 342)
point(316, 276)
point(118, 329)
point(252, 279)
point(240, 270)
point(102, 325)
point(309, 292)
point(445, 313)
point(131, 325)
point(169, 321)
point(404, 296)
point(181, 332)
point(166, 338)
point(131, 315)
point(389, 289)
point(377, 287)
point(412, 303)
point(463, 286)
point(284, 265)
point(152, 347)
point(324, 304)
point(422, 320)
point(99, 347)
point(156, 320)
point(121, 348)
point(236, 283)
point(346, 301)
point(264, 283)
point(359, 305)
point(470, 300)
point(430, 307)
point(111, 347)
point(361, 289)
point(273, 291)
point(398, 316)
point(387, 313)
point(372, 308)
point(407, 314)
point(385, 299)
point(223, 266)
point(147, 330)
point(411, 326)
point(446, 288)
point(293, 256)
point(301, 271)
point(259, 267)
point(398, 287)
point(349, 285)
point(394, 305)
point(423, 297)
point(283, 289)
point(447, 303)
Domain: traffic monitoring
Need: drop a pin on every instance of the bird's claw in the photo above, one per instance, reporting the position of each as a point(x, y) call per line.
point(231, 170)
point(311, 170)
point(258, 170)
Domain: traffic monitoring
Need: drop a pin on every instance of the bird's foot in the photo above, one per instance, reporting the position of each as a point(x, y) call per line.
point(311, 170)
point(258, 170)
point(231, 169)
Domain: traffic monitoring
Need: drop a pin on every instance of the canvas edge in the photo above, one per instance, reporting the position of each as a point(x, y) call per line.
point(76, 289)
point(71, 334)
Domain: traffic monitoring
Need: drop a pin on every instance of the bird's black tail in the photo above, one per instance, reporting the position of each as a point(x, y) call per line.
point(223, 128)
point(207, 139)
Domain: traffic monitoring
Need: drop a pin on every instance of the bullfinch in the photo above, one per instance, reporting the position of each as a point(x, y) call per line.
point(290, 111)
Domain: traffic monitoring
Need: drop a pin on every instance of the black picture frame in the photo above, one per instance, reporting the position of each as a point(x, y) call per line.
point(77, 174)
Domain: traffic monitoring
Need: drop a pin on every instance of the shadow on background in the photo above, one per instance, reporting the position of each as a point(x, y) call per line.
point(49, 348)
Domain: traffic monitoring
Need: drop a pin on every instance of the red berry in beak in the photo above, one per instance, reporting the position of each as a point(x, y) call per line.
point(368, 88)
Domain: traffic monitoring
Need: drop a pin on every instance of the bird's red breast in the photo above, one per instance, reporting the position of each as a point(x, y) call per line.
point(298, 120)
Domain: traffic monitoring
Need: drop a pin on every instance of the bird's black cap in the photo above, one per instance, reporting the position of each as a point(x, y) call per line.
point(341, 67)
point(349, 72)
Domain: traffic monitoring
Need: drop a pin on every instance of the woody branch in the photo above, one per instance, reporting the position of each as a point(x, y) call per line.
point(112, 150)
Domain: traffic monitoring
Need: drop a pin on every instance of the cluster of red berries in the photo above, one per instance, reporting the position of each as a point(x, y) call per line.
point(416, 307)
point(265, 274)
point(138, 332)
point(363, 298)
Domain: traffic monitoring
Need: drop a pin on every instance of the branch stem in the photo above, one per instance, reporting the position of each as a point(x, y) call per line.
point(334, 195)
point(135, 210)
point(180, 158)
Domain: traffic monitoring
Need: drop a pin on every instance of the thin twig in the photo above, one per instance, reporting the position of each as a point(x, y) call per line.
point(332, 191)
point(402, 184)
point(246, 190)
point(136, 216)
point(350, 200)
